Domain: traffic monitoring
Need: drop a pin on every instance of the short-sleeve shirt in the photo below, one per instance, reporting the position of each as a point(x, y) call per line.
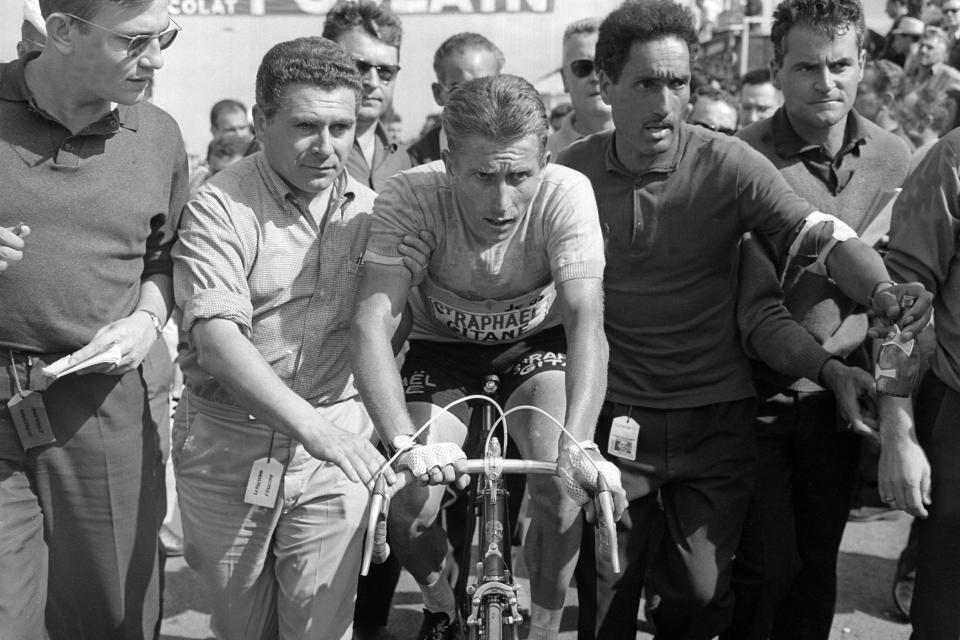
point(102, 205)
point(485, 292)
point(251, 252)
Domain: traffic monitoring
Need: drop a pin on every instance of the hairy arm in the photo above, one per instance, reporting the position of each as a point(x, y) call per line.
point(224, 353)
point(581, 301)
point(383, 295)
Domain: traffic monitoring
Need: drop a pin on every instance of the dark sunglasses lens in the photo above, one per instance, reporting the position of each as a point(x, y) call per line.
point(386, 72)
point(166, 38)
point(581, 68)
point(138, 45)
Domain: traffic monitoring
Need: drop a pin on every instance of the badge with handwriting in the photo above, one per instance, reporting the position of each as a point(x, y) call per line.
point(263, 486)
point(30, 418)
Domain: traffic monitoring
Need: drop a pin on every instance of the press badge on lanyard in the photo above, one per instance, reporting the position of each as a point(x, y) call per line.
point(265, 479)
point(29, 416)
point(624, 434)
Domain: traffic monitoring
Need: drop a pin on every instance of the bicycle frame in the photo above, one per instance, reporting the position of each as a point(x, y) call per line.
point(491, 612)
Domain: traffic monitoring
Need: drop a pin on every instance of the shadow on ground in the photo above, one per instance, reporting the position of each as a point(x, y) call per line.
point(865, 584)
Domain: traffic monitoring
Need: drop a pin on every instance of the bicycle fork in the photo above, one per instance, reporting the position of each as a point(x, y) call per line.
point(494, 610)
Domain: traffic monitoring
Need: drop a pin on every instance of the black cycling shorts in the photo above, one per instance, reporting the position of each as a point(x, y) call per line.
point(442, 372)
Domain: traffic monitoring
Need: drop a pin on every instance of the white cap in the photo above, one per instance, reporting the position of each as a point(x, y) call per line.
point(31, 14)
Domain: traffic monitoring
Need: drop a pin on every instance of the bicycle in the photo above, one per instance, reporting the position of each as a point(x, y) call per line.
point(491, 611)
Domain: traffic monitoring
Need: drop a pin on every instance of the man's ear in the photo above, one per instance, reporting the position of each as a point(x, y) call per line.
point(863, 61)
point(60, 32)
point(887, 99)
point(605, 85)
point(448, 161)
point(438, 89)
point(260, 120)
point(775, 68)
point(563, 77)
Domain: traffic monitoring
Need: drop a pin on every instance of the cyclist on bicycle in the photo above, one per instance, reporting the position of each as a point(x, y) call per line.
point(515, 277)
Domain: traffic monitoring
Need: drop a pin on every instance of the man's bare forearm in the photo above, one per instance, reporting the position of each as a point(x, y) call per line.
point(587, 355)
point(228, 356)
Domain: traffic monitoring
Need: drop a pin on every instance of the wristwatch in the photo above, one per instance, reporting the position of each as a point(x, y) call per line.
point(157, 325)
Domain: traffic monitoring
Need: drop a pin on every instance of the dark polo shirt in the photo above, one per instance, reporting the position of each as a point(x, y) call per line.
point(672, 236)
point(102, 206)
point(869, 162)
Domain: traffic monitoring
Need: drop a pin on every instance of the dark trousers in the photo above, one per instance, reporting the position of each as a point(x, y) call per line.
point(79, 518)
point(785, 572)
point(688, 485)
point(935, 611)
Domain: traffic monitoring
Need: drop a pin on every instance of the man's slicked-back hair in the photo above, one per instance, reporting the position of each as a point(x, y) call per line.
point(642, 21)
point(583, 25)
point(366, 15)
point(314, 61)
point(463, 42)
point(830, 17)
point(503, 108)
point(756, 76)
point(85, 9)
point(225, 106)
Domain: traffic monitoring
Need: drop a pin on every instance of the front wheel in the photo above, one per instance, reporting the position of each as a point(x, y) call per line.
point(494, 625)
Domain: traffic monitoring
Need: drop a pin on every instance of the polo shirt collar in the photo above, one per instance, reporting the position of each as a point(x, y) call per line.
point(282, 193)
point(788, 143)
point(666, 162)
point(13, 87)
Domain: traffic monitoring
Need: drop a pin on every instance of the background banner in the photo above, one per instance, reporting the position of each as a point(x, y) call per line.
point(320, 7)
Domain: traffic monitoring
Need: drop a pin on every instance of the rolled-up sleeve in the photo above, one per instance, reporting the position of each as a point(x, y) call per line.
point(211, 263)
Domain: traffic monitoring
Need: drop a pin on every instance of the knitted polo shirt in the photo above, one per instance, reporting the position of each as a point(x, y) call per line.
point(870, 161)
point(102, 206)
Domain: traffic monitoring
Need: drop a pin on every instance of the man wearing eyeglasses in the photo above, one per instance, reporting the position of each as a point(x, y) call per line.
point(371, 33)
point(785, 568)
point(590, 113)
point(94, 179)
point(461, 57)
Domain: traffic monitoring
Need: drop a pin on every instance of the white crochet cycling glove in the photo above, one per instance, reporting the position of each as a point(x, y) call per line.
point(579, 472)
point(420, 459)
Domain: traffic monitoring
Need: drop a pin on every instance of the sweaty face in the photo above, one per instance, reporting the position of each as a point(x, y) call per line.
point(819, 76)
point(758, 102)
point(458, 68)
point(649, 97)
point(100, 62)
point(377, 94)
point(310, 137)
point(715, 115)
point(494, 183)
point(584, 92)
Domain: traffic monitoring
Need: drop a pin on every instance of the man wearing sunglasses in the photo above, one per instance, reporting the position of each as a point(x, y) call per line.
point(784, 573)
point(371, 33)
point(590, 113)
point(94, 179)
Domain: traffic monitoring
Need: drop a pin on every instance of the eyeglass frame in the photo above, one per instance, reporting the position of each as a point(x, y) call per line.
point(393, 69)
point(130, 50)
point(579, 62)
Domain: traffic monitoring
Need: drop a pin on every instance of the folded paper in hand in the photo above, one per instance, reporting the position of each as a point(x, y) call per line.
point(62, 367)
